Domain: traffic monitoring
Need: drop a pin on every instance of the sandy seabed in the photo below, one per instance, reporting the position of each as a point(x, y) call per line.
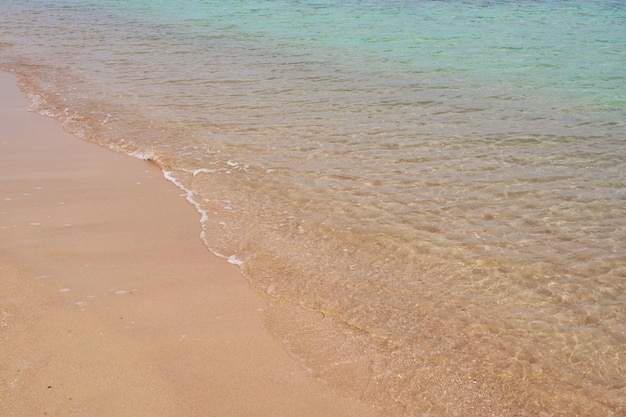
point(110, 305)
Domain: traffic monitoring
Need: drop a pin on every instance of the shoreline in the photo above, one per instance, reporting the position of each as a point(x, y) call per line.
point(111, 303)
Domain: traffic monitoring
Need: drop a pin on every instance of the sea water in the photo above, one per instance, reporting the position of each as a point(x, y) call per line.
point(430, 194)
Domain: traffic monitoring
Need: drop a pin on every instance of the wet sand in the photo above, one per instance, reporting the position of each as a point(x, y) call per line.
point(110, 303)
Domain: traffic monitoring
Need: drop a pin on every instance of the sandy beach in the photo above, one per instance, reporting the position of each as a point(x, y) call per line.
point(110, 303)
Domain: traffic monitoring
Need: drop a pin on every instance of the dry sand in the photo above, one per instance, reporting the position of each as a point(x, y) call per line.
point(110, 305)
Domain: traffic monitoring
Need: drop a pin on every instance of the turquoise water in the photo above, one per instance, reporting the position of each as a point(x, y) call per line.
point(430, 194)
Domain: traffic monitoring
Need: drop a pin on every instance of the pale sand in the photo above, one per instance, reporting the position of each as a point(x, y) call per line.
point(110, 305)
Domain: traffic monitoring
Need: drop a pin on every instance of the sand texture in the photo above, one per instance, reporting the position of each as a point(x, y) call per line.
point(110, 305)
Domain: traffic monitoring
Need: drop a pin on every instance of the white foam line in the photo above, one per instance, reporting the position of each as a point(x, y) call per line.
point(188, 195)
point(204, 170)
point(204, 217)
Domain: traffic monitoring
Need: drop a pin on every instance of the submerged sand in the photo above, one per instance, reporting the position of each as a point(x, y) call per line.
point(110, 305)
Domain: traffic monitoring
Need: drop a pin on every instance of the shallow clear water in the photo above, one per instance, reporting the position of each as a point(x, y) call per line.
point(431, 194)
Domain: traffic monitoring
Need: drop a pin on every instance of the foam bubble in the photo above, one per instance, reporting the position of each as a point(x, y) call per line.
point(144, 156)
point(232, 259)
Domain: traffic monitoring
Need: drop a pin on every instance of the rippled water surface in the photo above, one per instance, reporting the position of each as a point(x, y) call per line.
point(430, 194)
